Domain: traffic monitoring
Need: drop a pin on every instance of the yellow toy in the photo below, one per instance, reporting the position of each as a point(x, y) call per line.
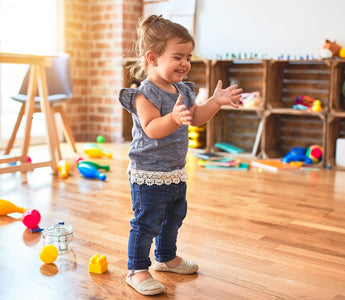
point(95, 151)
point(316, 106)
point(197, 136)
point(48, 254)
point(98, 264)
point(7, 207)
point(63, 168)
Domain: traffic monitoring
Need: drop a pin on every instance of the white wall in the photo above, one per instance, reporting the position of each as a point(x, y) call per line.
point(268, 27)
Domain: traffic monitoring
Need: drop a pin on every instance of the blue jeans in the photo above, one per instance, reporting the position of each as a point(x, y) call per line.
point(158, 213)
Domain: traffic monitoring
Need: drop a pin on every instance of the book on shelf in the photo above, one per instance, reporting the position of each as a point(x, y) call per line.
point(272, 165)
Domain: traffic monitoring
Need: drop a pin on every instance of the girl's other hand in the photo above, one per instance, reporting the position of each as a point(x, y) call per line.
point(229, 96)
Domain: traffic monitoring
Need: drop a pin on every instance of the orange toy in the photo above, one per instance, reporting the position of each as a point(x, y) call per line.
point(333, 47)
point(7, 207)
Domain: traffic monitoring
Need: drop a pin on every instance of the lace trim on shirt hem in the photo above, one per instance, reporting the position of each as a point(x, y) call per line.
point(158, 178)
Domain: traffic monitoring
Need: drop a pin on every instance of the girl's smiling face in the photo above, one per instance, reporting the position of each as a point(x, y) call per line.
point(173, 65)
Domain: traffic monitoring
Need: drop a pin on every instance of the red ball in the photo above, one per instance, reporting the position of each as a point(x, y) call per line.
point(31, 218)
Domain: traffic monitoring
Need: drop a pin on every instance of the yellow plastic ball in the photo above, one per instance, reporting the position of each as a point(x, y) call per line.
point(48, 254)
point(342, 53)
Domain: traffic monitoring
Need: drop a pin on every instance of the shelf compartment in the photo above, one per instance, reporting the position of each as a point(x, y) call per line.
point(236, 127)
point(199, 74)
point(288, 80)
point(335, 130)
point(250, 75)
point(284, 131)
point(337, 98)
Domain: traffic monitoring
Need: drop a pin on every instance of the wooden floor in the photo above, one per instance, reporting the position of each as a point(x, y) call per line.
point(254, 234)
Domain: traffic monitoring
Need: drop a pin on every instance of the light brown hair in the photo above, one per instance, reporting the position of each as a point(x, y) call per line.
point(153, 34)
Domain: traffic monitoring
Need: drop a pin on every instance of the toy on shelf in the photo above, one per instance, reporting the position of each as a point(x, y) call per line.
point(31, 219)
point(63, 168)
point(7, 207)
point(95, 151)
point(48, 254)
point(98, 264)
point(342, 53)
point(317, 107)
point(90, 171)
point(251, 100)
point(333, 47)
point(96, 165)
point(197, 136)
point(307, 103)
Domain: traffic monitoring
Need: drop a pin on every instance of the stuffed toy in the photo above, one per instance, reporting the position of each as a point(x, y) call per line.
point(333, 47)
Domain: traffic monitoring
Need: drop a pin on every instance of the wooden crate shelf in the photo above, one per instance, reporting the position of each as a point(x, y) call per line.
point(335, 130)
point(337, 103)
point(288, 80)
point(236, 127)
point(284, 131)
point(279, 83)
point(250, 75)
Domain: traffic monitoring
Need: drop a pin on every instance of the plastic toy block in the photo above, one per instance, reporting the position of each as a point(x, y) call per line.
point(98, 264)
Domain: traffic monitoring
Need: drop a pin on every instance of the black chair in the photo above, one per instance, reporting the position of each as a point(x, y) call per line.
point(60, 89)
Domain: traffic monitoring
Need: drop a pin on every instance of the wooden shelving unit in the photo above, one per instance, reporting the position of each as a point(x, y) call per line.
point(238, 127)
point(279, 83)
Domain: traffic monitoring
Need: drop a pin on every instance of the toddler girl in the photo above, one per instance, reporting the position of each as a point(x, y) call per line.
point(162, 107)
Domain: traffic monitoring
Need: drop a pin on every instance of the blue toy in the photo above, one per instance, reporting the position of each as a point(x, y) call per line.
point(89, 171)
point(297, 154)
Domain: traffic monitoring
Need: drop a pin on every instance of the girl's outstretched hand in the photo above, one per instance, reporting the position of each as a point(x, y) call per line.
point(229, 96)
point(180, 114)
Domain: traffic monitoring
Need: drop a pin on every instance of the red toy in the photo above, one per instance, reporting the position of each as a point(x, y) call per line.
point(31, 219)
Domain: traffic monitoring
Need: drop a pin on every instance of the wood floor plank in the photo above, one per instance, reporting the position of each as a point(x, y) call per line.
point(255, 234)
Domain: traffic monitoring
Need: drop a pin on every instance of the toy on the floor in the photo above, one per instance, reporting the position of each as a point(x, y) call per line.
point(90, 172)
point(28, 160)
point(98, 264)
point(297, 154)
point(100, 139)
point(59, 235)
point(314, 152)
point(31, 219)
point(96, 165)
point(48, 254)
point(95, 151)
point(63, 168)
point(309, 156)
point(7, 207)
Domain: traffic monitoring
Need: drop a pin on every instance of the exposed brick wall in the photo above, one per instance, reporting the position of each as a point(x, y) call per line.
point(98, 34)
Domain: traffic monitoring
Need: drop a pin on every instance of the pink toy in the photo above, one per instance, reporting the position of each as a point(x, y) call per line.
point(31, 219)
